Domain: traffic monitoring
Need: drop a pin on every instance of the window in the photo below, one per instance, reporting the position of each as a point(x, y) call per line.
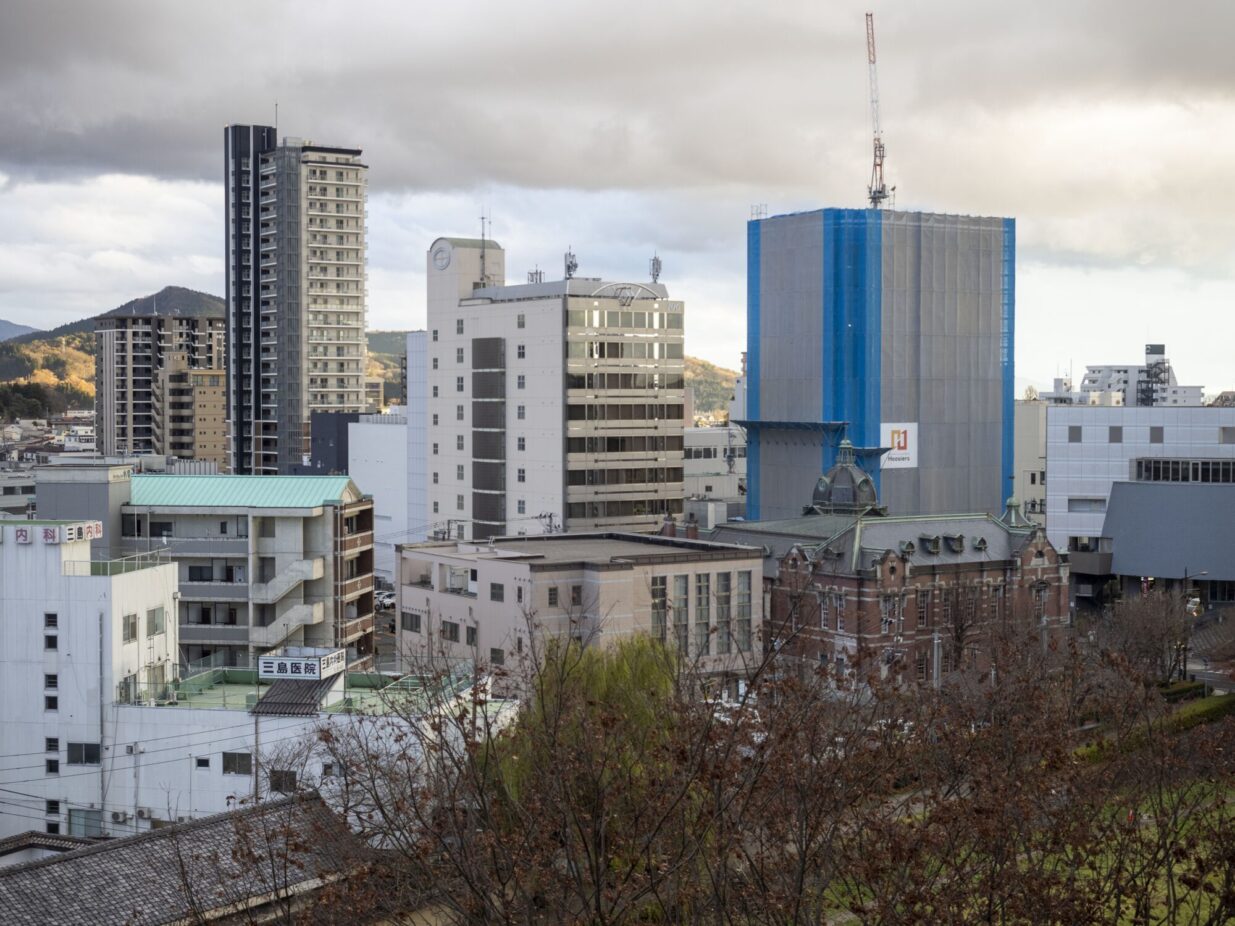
point(458, 384)
point(160, 528)
point(1086, 505)
point(283, 780)
point(51, 620)
point(410, 621)
point(681, 617)
point(520, 321)
point(1115, 435)
point(576, 596)
point(459, 353)
point(521, 352)
point(519, 594)
point(521, 506)
point(497, 591)
point(1226, 435)
point(435, 363)
point(553, 597)
point(155, 621)
point(1033, 479)
point(222, 528)
point(521, 443)
point(237, 763)
point(53, 828)
point(1074, 434)
point(743, 611)
point(51, 681)
point(459, 326)
point(200, 574)
point(435, 508)
point(459, 472)
point(521, 412)
point(435, 392)
point(83, 754)
point(52, 744)
point(497, 657)
point(435, 334)
point(1157, 434)
point(703, 612)
point(660, 606)
point(52, 808)
point(435, 449)
point(51, 703)
point(471, 636)
point(52, 766)
point(435, 418)
point(327, 769)
point(435, 478)
point(923, 666)
point(458, 502)
point(85, 822)
point(924, 609)
point(50, 642)
point(521, 475)
point(520, 381)
point(458, 413)
point(458, 442)
point(724, 597)
point(450, 631)
point(202, 762)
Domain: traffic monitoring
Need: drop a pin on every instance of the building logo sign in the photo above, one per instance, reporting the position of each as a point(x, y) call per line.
point(56, 533)
point(902, 441)
point(302, 667)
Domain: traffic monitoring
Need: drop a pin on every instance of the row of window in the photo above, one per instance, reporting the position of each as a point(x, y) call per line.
point(520, 413)
point(638, 411)
point(722, 614)
point(1222, 471)
point(639, 381)
point(713, 453)
point(1157, 434)
point(412, 622)
point(520, 322)
point(624, 350)
point(600, 318)
point(631, 508)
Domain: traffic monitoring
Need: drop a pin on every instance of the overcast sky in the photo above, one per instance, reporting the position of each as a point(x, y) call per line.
point(1106, 129)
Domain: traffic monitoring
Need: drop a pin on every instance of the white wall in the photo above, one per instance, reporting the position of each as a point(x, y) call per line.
point(1087, 470)
point(377, 462)
point(418, 519)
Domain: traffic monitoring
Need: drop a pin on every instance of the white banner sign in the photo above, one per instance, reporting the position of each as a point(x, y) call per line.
point(903, 440)
point(302, 667)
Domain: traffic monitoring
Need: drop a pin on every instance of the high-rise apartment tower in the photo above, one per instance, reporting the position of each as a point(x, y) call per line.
point(133, 346)
point(894, 329)
point(295, 240)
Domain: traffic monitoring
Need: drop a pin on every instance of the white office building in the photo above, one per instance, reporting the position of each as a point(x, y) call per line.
point(714, 462)
point(1152, 383)
point(552, 405)
point(1089, 449)
point(377, 448)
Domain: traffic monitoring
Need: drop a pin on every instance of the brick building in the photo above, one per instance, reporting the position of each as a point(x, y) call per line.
point(919, 596)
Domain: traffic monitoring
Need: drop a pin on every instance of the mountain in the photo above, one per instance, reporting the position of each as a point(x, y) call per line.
point(13, 330)
point(56, 368)
point(713, 385)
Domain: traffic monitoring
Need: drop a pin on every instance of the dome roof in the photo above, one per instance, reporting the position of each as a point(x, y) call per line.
point(846, 486)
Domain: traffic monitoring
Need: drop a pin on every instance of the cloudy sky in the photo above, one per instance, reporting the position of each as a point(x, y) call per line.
point(1106, 128)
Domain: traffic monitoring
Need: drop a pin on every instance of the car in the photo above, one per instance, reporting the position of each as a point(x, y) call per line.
point(385, 600)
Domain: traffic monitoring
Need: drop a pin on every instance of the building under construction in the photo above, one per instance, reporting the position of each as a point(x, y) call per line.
point(894, 329)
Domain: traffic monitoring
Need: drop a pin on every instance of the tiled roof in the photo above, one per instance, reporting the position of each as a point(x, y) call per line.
point(173, 873)
point(293, 697)
point(162, 491)
point(33, 839)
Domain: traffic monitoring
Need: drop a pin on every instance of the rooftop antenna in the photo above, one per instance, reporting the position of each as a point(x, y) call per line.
point(759, 211)
point(276, 120)
point(877, 192)
point(536, 276)
point(654, 267)
point(572, 263)
point(484, 274)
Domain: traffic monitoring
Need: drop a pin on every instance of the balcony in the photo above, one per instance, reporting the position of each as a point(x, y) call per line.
point(303, 570)
point(293, 619)
point(356, 586)
point(214, 634)
point(214, 591)
point(1090, 564)
point(355, 629)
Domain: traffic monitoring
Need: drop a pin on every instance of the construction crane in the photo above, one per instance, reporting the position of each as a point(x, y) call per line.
point(878, 191)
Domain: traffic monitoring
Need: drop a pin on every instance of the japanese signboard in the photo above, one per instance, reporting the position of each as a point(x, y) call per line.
point(302, 667)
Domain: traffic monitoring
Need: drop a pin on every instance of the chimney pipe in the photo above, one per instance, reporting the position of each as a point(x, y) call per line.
point(669, 527)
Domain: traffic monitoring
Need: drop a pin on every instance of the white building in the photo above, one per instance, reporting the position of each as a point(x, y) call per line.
point(99, 736)
point(714, 462)
point(1029, 458)
point(484, 601)
point(377, 447)
point(1089, 449)
point(1149, 384)
point(553, 405)
point(417, 380)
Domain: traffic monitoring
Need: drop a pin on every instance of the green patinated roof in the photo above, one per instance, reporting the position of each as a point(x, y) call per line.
point(162, 491)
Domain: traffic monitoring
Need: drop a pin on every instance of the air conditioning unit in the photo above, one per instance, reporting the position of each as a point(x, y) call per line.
point(118, 816)
point(182, 819)
point(128, 750)
point(143, 813)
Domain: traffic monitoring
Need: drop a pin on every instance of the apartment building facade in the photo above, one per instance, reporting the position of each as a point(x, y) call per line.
point(1152, 383)
point(296, 292)
point(496, 602)
point(552, 405)
point(189, 411)
point(134, 344)
point(263, 562)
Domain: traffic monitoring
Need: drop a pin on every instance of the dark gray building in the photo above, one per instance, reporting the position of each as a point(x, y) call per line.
point(894, 329)
point(295, 240)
